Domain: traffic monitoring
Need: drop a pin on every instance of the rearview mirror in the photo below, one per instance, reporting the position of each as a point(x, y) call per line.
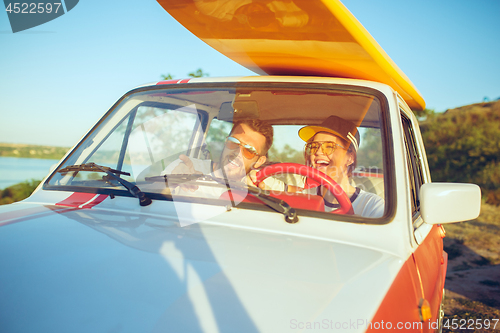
point(449, 202)
point(238, 110)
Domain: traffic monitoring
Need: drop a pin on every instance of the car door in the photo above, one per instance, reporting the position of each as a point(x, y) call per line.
point(429, 257)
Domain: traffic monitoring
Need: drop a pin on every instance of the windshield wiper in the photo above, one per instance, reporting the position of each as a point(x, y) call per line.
point(91, 167)
point(133, 189)
point(181, 178)
point(277, 204)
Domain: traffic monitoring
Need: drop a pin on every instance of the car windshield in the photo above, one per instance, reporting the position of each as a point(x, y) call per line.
point(203, 142)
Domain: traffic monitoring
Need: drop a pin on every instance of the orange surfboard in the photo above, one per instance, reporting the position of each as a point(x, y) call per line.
point(293, 37)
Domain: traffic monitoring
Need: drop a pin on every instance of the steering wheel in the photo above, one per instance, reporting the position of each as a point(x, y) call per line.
point(315, 175)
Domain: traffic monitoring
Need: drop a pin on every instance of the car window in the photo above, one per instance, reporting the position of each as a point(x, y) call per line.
point(413, 163)
point(148, 135)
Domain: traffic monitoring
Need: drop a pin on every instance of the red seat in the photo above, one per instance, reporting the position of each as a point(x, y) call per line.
point(295, 200)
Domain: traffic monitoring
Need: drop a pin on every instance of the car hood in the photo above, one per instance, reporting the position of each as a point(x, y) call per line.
point(69, 269)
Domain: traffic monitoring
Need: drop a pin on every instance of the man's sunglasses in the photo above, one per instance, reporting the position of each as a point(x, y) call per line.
point(249, 152)
point(328, 147)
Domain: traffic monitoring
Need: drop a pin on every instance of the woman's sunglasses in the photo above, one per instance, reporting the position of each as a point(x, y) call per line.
point(328, 147)
point(249, 152)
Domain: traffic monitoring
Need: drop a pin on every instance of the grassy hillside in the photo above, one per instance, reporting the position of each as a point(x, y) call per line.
point(32, 151)
point(463, 145)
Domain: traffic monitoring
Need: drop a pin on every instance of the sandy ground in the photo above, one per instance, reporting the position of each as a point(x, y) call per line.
point(472, 291)
point(478, 284)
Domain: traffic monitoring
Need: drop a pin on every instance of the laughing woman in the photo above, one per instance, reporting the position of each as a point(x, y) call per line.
point(332, 149)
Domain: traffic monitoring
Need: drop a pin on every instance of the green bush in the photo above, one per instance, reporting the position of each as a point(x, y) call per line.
point(463, 145)
point(18, 192)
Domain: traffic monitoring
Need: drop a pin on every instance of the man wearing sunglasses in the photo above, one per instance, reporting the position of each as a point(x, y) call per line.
point(245, 149)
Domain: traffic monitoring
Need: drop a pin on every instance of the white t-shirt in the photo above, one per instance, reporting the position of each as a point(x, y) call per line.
point(364, 203)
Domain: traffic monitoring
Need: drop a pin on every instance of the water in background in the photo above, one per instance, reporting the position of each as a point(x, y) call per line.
point(15, 170)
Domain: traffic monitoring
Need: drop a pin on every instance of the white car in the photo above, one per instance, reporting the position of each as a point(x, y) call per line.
point(144, 227)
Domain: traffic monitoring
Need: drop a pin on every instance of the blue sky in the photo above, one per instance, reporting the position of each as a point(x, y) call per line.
point(57, 79)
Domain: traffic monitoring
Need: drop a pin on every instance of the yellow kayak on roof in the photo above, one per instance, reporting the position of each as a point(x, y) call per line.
point(299, 37)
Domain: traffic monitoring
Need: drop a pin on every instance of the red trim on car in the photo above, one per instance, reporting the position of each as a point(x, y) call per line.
point(82, 200)
point(432, 263)
point(400, 305)
point(173, 81)
point(421, 277)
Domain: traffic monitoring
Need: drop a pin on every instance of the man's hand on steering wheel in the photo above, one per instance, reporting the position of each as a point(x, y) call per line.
point(251, 180)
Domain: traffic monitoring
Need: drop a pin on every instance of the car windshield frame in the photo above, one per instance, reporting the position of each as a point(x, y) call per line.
point(320, 88)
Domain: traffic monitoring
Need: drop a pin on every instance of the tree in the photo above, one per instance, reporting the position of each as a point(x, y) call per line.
point(167, 77)
point(18, 192)
point(287, 154)
point(423, 114)
point(198, 73)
